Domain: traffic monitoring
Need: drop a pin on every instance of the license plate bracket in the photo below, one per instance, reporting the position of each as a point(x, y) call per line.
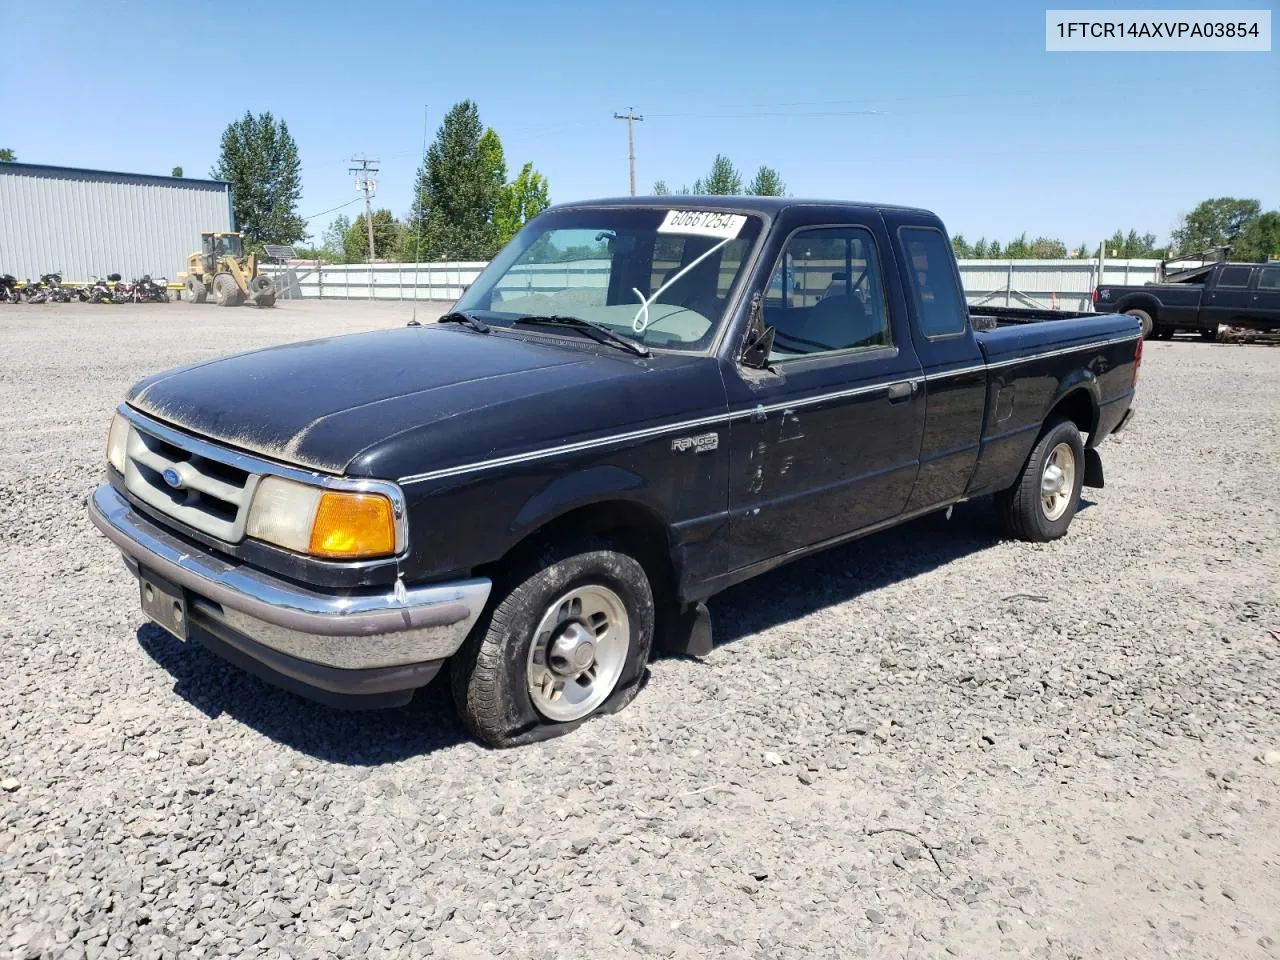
point(164, 602)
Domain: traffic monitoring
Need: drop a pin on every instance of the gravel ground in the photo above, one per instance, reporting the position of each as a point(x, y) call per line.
point(930, 743)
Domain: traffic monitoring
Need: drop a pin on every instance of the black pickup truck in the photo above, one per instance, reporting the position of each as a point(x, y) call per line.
point(638, 403)
point(1202, 299)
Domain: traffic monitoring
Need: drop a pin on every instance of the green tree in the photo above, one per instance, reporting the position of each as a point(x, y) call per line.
point(175, 172)
point(961, 247)
point(386, 238)
point(724, 180)
point(1214, 223)
point(979, 250)
point(7, 155)
point(660, 189)
point(1042, 248)
point(260, 159)
point(457, 191)
point(1260, 239)
point(520, 201)
point(1018, 248)
point(333, 243)
point(1085, 250)
point(994, 252)
point(766, 183)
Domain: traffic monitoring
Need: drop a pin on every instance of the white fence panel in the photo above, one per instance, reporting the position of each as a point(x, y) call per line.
point(1064, 284)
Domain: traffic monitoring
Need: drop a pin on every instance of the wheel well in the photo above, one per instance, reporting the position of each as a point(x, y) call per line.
point(1078, 407)
point(641, 530)
point(1142, 303)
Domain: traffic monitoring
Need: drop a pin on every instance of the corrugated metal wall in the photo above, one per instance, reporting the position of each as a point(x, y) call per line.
point(1061, 284)
point(86, 222)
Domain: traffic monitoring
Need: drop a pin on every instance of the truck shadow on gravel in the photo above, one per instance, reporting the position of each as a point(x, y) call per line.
point(359, 738)
point(844, 573)
point(429, 723)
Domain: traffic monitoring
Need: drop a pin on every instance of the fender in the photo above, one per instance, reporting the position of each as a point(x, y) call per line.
point(1083, 382)
point(1140, 301)
point(581, 489)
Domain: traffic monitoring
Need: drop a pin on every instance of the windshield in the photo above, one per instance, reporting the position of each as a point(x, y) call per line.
point(229, 246)
point(659, 276)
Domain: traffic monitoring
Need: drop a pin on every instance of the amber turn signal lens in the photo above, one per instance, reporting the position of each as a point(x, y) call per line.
point(351, 525)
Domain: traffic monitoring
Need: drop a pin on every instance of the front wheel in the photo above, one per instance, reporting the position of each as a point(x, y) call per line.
point(1041, 504)
point(569, 636)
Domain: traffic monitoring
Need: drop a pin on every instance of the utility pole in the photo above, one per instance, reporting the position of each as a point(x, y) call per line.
point(365, 181)
point(631, 118)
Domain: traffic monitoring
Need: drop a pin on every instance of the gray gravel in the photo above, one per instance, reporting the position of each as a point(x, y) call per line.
point(928, 744)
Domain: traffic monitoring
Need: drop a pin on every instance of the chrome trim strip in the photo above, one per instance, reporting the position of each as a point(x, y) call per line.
point(649, 432)
point(451, 607)
point(257, 466)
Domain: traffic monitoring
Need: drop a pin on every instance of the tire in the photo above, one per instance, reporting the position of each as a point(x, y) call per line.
point(1210, 335)
point(263, 291)
point(553, 608)
point(227, 291)
point(197, 292)
point(1025, 510)
point(1148, 325)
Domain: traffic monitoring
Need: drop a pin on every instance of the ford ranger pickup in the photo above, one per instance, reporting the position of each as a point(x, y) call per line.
point(638, 403)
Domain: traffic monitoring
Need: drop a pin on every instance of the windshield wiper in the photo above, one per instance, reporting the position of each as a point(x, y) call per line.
point(461, 316)
point(597, 331)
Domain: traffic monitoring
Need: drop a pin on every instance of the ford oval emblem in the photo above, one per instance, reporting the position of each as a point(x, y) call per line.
point(173, 478)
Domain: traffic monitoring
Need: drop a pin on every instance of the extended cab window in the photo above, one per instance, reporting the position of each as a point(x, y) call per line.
point(1269, 278)
point(940, 308)
point(1234, 276)
point(827, 294)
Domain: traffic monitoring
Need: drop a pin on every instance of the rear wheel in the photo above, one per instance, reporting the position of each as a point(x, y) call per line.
point(1041, 504)
point(1148, 325)
point(227, 291)
point(569, 635)
point(197, 292)
point(1211, 334)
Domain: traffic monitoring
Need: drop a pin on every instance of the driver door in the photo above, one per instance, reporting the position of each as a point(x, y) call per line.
point(829, 441)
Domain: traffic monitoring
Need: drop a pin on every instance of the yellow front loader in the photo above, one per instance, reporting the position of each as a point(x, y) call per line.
point(220, 267)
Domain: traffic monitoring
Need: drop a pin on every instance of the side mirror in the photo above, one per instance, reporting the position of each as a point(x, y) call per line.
point(759, 344)
point(756, 353)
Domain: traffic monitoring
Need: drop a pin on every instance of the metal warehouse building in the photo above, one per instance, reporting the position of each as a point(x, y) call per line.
point(87, 222)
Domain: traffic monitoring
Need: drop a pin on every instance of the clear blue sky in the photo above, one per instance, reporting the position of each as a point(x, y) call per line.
point(951, 106)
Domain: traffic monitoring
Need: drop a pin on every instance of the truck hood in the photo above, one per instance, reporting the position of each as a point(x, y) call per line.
point(361, 403)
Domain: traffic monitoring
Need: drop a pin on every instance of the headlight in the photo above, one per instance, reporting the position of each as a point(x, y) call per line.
point(335, 524)
point(117, 442)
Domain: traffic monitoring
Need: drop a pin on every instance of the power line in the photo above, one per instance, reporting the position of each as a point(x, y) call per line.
point(365, 181)
point(631, 118)
point(307, 219)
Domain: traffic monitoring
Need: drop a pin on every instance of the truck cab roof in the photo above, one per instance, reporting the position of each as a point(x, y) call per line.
point(766, 206)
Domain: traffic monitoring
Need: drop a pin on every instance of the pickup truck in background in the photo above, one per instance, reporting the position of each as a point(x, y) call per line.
point(637, 404)
point(1202, 299)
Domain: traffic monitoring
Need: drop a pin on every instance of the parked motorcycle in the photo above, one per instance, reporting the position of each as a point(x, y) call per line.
point(126, 291)
point(55, 292)
point(149, 291)
point(96, 291)
point(34, 292)
point(9, 289)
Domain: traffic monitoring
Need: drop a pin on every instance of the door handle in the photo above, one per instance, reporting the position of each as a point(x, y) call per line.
point(902, 391)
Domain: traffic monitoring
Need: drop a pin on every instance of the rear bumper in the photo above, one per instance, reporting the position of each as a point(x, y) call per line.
point(354, 643)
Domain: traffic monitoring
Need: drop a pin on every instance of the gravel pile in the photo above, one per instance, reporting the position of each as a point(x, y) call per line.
point(930, 743)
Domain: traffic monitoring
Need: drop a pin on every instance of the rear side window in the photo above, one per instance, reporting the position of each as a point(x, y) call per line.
point(940, 309)
point(1269, 278)
point(1234, 276)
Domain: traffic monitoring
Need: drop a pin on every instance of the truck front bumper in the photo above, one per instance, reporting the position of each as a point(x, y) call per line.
point(359, 648)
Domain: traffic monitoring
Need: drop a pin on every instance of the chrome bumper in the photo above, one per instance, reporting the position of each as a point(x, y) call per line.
point(360, 631)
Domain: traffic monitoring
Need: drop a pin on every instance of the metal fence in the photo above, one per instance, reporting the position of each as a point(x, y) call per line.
point(1064, 284)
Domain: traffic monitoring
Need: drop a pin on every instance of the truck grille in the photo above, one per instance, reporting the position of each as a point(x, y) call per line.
point(205, 494)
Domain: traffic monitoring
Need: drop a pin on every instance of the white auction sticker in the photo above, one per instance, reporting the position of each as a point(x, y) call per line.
point(703, 223)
